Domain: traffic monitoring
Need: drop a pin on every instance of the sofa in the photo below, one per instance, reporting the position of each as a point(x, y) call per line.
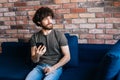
point(88, 61)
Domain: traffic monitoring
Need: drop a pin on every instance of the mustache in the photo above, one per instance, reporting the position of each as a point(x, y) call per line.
point(50, 24)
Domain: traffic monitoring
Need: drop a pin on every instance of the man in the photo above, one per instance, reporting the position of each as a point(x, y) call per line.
point(52, 52)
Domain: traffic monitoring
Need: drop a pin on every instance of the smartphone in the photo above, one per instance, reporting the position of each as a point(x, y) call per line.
point(38, 44)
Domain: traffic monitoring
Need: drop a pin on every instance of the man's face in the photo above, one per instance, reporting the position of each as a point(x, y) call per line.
point(47, 23)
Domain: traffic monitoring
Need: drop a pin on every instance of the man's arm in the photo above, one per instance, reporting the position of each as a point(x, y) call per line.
point(62, 61)
point(65, 58)
point(34, 56)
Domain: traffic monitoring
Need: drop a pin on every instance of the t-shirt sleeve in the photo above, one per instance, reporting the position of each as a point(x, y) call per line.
point(63, 40)
point(32, 41)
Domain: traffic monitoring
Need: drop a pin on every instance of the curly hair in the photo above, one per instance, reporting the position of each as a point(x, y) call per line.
point(41, 13)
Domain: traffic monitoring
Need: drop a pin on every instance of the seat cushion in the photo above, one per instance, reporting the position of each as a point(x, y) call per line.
point(110, 64)
point(73, 47)
point(85, 71)
point(15, 60)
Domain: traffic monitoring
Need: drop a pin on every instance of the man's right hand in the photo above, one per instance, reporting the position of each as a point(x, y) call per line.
point(40, 50)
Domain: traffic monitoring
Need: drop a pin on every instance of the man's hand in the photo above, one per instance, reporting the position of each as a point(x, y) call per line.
point(48, 70)
point(40, 50)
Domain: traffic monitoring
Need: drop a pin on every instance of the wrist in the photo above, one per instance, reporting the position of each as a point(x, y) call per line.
point(38, 55)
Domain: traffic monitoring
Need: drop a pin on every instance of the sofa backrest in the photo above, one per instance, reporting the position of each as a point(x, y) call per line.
point(93, 52)
point(18, 52)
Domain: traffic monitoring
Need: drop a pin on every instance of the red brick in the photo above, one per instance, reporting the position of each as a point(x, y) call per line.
point(71, 26)
point(10, 23)
point(18, 4)
point(8, 5)
point(112, 31)
point(1, 5)
point(96, 20)
point(16, 35)
point(70, 5)
point(3, 1)
point(87, 36)
point(105, 15)
point(87, 15)
point(4, 9)
point(13, 0)
point(82, 41)
point(31, 12)
point(104, 36)
point(96, 41)
point(79, 21)
point(78, 0)
point(95, 9)
point(61, 1)
point(87, 26)
point(72, 15)
point(78, 10)
point(1, 14)
point(26, 8)
point(33, 3)
point(23, 31)
point(117, 4)
point(117, 15)
point(96, 31)
point(112, 20)
point(9, 14)
point(11, 31)
point(94, 0)
point(4, 18)
point(104, 26)
point(3, 40)
point(59, 26)
point(63, 11)
point(4, 27)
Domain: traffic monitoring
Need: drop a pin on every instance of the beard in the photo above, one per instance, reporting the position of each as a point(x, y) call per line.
point(47, 27)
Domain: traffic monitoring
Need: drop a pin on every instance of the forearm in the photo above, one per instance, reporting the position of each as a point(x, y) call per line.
point(35, 58)
point(65, 58)
point(62, 62)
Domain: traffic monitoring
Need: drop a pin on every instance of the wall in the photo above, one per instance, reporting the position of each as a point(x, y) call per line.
point(93, 21)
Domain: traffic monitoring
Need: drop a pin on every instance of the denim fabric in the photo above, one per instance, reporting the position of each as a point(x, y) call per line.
point(38, 74)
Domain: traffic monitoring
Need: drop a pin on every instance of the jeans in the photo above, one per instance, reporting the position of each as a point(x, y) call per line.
point(38, 74)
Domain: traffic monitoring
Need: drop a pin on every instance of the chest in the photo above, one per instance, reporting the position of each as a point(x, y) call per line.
point(50, 41)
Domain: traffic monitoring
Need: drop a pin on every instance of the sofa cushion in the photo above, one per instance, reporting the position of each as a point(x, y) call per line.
point(73, 46)
point(15, 60)
point(85, 71)
point(17, 52)
point(110, 65)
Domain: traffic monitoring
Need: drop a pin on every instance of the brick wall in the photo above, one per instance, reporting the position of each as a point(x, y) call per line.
point(93, 21)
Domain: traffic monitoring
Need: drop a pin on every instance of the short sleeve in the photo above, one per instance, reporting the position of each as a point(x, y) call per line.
point(32, 40)
point(63, 40)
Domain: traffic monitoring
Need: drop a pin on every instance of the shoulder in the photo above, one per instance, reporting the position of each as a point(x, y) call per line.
point(58, 33)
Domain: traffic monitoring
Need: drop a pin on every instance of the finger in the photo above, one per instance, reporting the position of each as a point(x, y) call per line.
point(45, 70)
point(42, 48)
point(39, 47)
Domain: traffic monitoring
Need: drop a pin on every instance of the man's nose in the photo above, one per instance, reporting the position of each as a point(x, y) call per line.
point(49, 20)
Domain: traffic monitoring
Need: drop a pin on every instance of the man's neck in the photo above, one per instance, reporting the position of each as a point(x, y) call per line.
point(46, 32)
